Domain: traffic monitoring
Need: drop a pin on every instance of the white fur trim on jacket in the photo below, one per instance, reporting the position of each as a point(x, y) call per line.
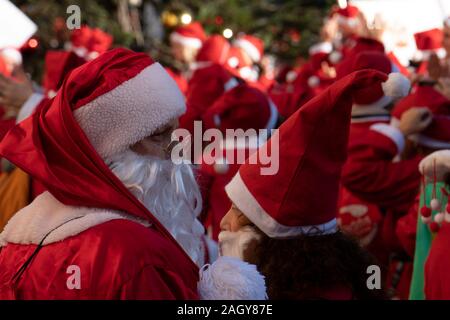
point(242, 197)
point(131, 111)
point(29, 106)
point(249, 48)
point(186, 41)
point(32, 223)
point(392, 133)
point(230, 278)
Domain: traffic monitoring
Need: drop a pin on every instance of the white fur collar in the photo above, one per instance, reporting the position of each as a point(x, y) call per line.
point(32, 223)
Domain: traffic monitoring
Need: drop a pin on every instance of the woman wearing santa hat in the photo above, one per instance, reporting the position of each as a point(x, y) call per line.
point(285, 223)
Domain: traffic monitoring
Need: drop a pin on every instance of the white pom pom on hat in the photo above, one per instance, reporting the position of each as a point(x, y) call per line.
point(396, 86)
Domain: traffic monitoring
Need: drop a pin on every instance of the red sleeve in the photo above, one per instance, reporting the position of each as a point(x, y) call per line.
point(371, 174)
point(154, 283)
point(406, 229)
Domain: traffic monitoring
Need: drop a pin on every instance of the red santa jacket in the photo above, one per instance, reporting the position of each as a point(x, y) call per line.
point(89, 254)
point(371, 172)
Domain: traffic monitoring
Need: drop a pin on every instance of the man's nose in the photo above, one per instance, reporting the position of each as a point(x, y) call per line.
point(225, 222)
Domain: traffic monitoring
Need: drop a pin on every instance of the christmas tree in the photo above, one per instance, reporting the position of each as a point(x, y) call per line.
point(288, 28)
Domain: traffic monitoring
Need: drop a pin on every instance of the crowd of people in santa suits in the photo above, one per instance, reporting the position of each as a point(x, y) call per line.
point(87, 180)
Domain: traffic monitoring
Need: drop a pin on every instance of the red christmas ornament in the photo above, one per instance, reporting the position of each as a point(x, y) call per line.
point(425, 211)
point(434, 227)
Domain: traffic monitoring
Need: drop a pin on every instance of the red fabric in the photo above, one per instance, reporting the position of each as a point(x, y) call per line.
point(348, 12)
point(308, 176)
point(206, 85)
point(100, 41)
point(57, 65)
point(406, 228)
point(242, 107)
point(119, 259)
point(437, 266)
point(439, 105)
point(429, 40)
point(358, 45)
point(215, 49)
point(256, 42)
point(80, 37)
point(52, 148)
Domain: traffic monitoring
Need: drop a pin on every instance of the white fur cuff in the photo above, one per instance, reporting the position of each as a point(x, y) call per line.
point(392, 133)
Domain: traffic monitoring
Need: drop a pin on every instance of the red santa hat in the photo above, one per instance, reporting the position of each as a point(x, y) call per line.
point(102, 108)
point(251, 45)
point(190, 35)
point(215, 49)
point(374, 96)
point(312, 149)
point(242, 107)
point(429, 41)
point(88, 43)
point(347, 15)
point(58, 64)
point(437, 135)
point(238, 66)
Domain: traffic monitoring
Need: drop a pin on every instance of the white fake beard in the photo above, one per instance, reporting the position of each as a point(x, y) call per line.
point(170, 192)
point(233, 244)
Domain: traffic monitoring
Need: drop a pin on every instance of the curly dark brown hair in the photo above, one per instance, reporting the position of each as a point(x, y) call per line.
point(302, 267)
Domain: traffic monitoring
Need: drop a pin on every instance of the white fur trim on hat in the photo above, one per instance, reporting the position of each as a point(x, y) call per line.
point(392, 133)
point(230, 278)
point(396, 86)
point(132, 111)
point(242, 197)
point(186, 41)
point(321, 47)
point(249, 48)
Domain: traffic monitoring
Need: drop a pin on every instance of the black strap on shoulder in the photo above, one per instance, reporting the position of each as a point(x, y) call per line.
point(15, 279)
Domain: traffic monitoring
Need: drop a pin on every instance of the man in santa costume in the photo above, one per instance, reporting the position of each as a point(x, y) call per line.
point(285, 223)
point(373, 178)
point(247, 60)
point(209, 81)
point(435, 137)
point(185, 42)
point(118, 220)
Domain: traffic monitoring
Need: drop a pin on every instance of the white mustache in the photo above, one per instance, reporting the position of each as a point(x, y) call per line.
point(233, 244)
